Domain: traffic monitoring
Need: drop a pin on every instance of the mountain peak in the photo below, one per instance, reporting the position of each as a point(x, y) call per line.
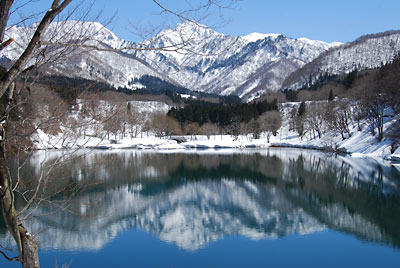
point(190, 26)
point(253, 37)
point(189, 31)
point(192, 55)
point(319, 43)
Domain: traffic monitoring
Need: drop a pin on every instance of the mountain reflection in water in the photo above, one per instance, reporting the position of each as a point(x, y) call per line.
point(192, 199)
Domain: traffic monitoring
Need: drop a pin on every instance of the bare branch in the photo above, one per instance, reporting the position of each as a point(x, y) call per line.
point(8, 258)
point(19, 65)
point(183, 18)
point(171, 48)
point(6, 43)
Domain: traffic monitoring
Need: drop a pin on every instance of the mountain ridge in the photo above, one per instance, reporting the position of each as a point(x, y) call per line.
point(366, 52)
point(210, 62)
point(223, 63)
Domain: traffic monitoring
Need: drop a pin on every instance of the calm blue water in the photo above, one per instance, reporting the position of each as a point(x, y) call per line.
point(323, 249)
point(270, 208)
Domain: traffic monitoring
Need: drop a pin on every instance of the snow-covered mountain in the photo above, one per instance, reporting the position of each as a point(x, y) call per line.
point(208, 61)
point(117, 69)
point(370, 51)
point(223, 64)
point(200, 59)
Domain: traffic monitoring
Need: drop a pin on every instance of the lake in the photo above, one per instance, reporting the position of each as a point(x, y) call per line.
point(226, 208)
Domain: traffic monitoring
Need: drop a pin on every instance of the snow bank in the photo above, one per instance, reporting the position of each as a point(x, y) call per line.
point(224, 141)
point(193, 142)
point(361, 144)
point(396, 155)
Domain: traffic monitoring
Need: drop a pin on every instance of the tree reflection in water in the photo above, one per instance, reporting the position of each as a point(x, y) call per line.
point(193, 198)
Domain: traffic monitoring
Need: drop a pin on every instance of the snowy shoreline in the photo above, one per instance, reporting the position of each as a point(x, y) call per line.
point(355, 146)
point(359, 144)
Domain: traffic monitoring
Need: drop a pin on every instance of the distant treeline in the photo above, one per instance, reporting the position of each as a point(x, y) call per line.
point(154, 85)
point(70, 88)
point(222, 115)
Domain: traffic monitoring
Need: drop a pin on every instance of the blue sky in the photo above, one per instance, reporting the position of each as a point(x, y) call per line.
point(326, 20)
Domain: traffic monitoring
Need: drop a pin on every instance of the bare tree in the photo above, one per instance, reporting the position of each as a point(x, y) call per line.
point(192, 129)
point(374, 103)
point(163, 125)
point(394, 134)
point(341, 117)
point(26, 243)
point(270, 123)
point(358, 114)
point(209, 129)
point(315, 119)
point(253, 127)
point(297, 119)
point(90, 117)
point(113, 121)
point(132, 119)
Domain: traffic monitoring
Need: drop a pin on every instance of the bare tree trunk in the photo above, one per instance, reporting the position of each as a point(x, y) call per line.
point(30, 258)
point(5, 6)
point(26, 243)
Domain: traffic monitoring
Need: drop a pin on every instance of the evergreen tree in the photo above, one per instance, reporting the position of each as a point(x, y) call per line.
point(302, 109)
point(331, 97)
point(350, 78)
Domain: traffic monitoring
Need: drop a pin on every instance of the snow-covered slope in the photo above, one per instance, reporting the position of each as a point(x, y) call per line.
point(366, 52)
point(208, 61)
point(217, 63)
point(115, 68)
